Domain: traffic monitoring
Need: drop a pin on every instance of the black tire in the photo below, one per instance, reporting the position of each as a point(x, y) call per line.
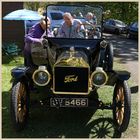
point(129, 36)
point(109, 54)
point(19, 105)
point(117, 31)
point(121, 105)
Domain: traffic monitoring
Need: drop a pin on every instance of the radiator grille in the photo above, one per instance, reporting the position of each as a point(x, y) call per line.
point(71, 80)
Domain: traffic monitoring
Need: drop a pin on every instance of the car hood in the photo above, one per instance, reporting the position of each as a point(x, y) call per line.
point(133, 29)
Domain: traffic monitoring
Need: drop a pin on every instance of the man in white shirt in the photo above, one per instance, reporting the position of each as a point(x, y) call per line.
point(70, 27)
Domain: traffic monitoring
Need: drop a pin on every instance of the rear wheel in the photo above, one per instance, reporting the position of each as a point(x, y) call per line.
point(19, 105)
point(121, 105)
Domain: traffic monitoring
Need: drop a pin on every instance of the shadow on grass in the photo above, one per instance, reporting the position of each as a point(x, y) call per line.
point(103, 128)
point(125, 49)
point(14, 59)
point(134, 89)
point(58, 123)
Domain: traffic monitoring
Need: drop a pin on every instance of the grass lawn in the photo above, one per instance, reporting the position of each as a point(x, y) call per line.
point(65, 123)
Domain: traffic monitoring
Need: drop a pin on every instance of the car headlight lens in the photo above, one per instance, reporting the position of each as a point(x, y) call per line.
point(41, 76)
point(99, 77)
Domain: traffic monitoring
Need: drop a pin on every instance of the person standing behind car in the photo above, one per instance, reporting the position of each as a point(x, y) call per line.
point(70, 27)
point(34, 36)
point(49, 32)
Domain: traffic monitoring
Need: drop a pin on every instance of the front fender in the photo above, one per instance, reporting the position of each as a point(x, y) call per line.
point(18, 73)
point(123, 75)
point(114, 76)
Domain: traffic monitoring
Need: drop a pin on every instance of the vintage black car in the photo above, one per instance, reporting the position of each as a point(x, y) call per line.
point(72, 69)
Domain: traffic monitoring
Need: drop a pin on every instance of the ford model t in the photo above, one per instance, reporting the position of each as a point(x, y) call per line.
point(72, 68)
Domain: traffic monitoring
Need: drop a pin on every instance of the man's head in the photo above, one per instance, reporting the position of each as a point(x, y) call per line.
point(48, 22)
point(68, 18)
point(45, 22)
point(89, 16)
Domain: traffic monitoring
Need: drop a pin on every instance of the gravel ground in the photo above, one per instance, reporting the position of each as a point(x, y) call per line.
point(126, 53)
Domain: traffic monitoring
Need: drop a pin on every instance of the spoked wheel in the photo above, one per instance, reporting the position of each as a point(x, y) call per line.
point(121, 106)
point(19, 105)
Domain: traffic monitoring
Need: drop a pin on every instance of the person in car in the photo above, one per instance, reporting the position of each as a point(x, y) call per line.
point(94, 19)
point(91, 18)
point(90, 24)
point(35, 35)
point(70, 27)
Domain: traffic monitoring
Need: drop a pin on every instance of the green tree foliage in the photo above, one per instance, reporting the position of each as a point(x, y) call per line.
point(34, 5)
point(125, 11)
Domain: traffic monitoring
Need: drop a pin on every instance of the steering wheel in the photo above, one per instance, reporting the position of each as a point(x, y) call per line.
point(92, 31)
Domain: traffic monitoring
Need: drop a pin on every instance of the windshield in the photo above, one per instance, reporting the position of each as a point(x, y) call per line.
point(74, 22)
point(56, 16)
point(135, 25)
point(120, 22)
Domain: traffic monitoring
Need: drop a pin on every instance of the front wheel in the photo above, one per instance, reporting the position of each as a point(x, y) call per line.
point(129, 36)
point(121, 105)
point(117, 31)
point(19, 105)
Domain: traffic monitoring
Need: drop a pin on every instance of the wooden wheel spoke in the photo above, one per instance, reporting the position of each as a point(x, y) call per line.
point(119, 92)
point(22, 90)
point(122, 94)
point(120, 116)
point(21, 114)
point(117, 97)
point(117, 109)
point(117, 115)
point(123, 105)
point(21, 93)
point(21, 100)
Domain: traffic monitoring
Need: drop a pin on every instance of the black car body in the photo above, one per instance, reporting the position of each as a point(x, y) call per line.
point(114, 26)
point(133, 30)
point(72, 69)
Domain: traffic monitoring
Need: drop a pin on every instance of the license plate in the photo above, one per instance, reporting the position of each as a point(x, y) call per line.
point(68, 102)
